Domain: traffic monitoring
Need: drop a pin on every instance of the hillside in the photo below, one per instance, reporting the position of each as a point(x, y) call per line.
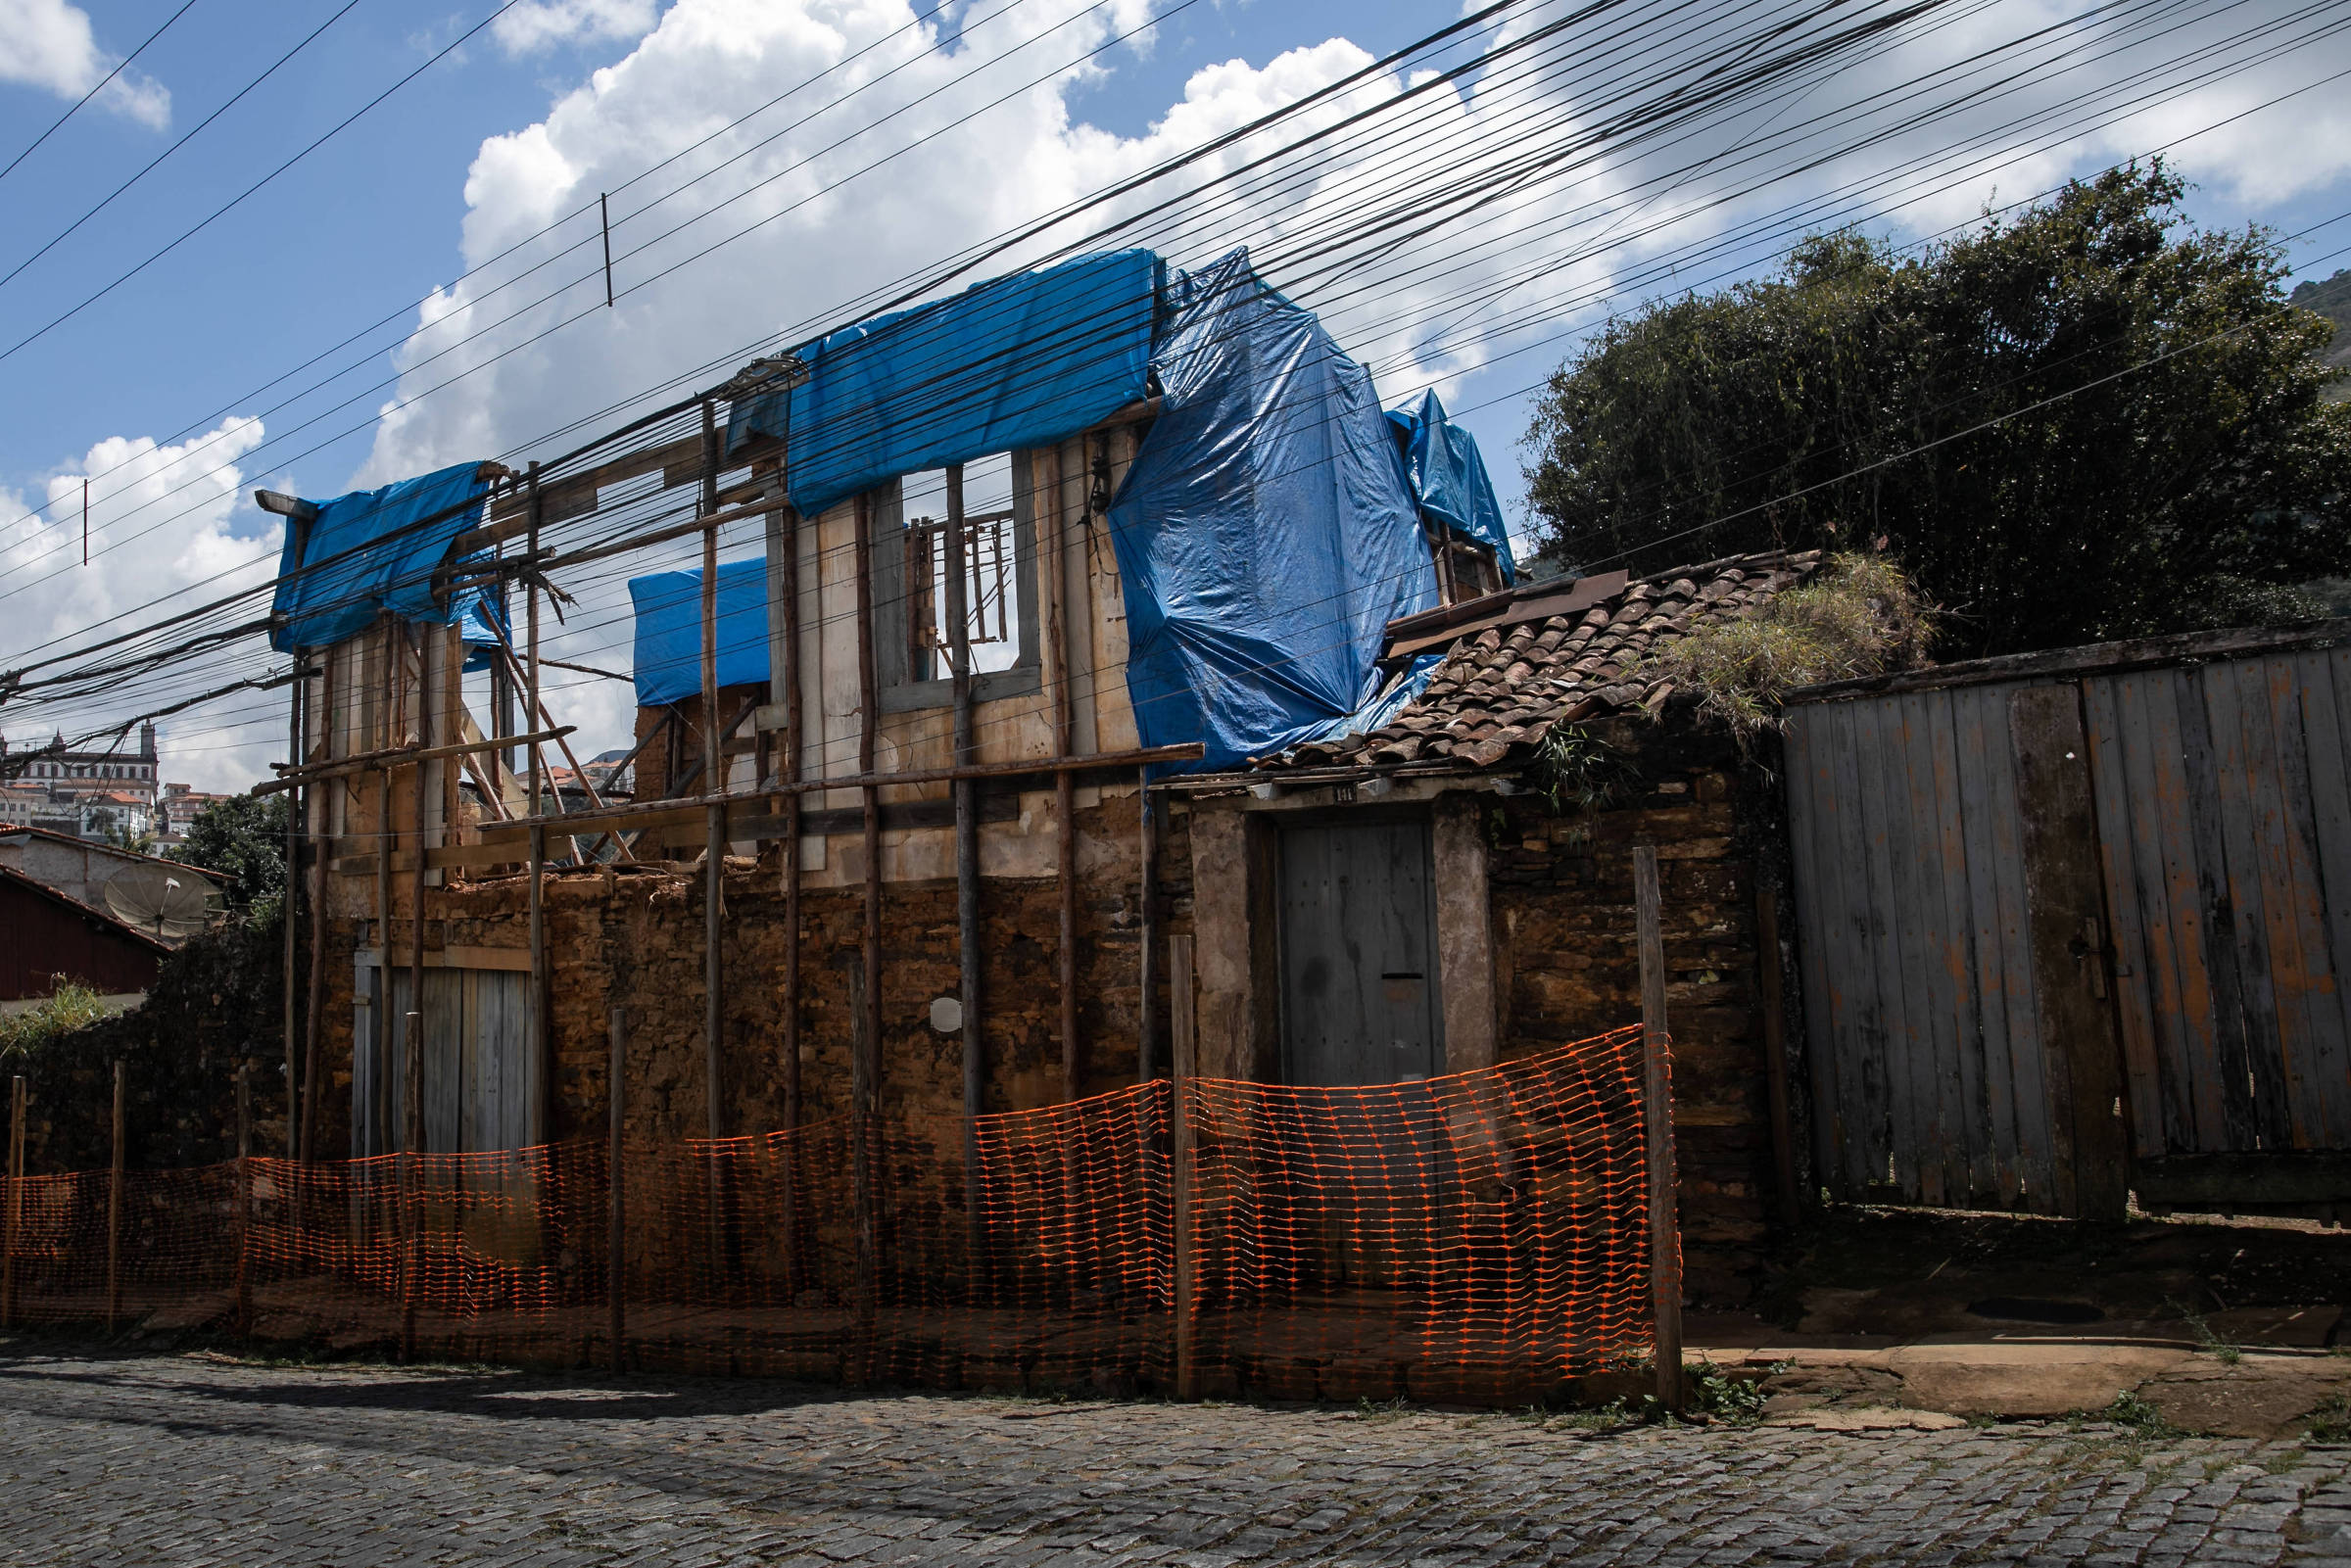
point(2331, 300)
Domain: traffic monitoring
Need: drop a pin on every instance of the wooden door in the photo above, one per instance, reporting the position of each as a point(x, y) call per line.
point(1959, 1031)
point(1360, 1000)
point(2224, 801)
point(481, 1074)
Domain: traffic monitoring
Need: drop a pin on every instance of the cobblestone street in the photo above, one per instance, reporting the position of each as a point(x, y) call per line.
point(194, 1461)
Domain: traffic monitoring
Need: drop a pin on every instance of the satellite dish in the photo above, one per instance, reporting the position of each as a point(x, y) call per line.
point(168, 904)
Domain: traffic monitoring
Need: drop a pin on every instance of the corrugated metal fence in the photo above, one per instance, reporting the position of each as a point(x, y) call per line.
point(2079, 925)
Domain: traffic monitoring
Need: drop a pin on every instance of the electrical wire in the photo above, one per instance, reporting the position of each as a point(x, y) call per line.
point(80, 103)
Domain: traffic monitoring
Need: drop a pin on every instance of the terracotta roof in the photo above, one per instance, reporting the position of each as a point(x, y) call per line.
point(1500, 690)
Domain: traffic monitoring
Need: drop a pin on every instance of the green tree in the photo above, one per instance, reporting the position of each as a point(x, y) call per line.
point(2090, 420)
point(245, 839)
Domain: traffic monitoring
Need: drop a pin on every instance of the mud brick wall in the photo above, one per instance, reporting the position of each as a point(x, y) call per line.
point(1561, 889)
point(634, 936)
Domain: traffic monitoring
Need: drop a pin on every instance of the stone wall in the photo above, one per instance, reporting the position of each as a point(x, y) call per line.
point(1560, 887)
point(1568, 966)
point(634, 936)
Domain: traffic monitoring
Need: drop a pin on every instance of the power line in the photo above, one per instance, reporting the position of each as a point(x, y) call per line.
point(119, 67)
point(241, 197)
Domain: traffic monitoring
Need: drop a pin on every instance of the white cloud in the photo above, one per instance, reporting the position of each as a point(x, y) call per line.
point(1502, 275)
point(48, 44)
point(965, 142)
point(192, 490)
point(544, 24)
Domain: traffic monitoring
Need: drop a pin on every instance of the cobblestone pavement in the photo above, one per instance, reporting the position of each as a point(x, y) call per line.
point(187, 1460)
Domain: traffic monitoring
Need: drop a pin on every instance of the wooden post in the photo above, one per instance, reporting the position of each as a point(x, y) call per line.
point(380, 1136)
point(16, 1201)
point(412, 1264)
point(1053, 567)
point(295, 702)
point(114, 1211)
point(1656, 1107)
point(616, 1257)
point(784, 687)
point(1775, 1049)
point(714, 785)
point(530, 679)
point(1183, 1043)
point(861, 1174)
point(1146, 1010)
point(541, 1043)
point(967, 865)
point(424, 735)
point(244, 1226)
point(867, 1068)
point(300, 1134)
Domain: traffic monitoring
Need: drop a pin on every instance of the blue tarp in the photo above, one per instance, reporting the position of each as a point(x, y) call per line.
point(1265, 534)
point(1448, 477)
point(383, 552)
point(1014, 362)
point(669, 630)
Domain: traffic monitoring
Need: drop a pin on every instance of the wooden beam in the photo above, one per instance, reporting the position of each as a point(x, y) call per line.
point(243, 1227)
point(1512, 610)
point(114, 1204)
point(1111, 763)
point(2101, 659)
point(616, 1230)
point(1053, 563)
point(1183, 1042)
point(868, 1074)
point(1775, 1049)
point(967, 847)
point(714, 860)
point(1657, 1109)
point(1146, 1014)
point(511, 960)
point(15, 1215)
point(302, 1091)
point(368, 761)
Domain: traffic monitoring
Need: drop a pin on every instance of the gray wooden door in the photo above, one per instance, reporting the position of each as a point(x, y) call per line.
point(1359, 956)
point(1962, 1049)
point(2224, 801)
point(481, 1073)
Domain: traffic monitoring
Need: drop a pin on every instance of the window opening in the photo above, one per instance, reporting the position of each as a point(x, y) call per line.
point(991, 581)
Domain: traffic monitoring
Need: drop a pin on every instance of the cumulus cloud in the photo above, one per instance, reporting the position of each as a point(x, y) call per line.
point(205, 542)
point(897, 148)
point(544, 24)
point(1459, 236)
point(49, 44)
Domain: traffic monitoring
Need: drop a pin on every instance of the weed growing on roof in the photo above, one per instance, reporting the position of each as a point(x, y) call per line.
point(1578, 773)
point(1859, 615)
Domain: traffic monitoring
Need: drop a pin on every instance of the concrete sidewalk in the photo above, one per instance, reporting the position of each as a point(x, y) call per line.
point(2263, 1377)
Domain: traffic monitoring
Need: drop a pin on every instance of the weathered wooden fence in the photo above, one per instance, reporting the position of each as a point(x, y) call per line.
point(2078, 925)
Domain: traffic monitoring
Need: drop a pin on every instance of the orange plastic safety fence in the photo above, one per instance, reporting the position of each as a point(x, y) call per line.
point(1477, 1237)
point(1474, 1238)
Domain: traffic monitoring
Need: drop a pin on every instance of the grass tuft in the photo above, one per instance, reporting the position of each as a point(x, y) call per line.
point(69, 1007)
point(1858, 616)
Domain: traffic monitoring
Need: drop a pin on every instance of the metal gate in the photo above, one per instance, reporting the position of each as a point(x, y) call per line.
point(2073, 926)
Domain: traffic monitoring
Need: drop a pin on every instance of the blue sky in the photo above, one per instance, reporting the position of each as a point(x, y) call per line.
point(561, 98)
